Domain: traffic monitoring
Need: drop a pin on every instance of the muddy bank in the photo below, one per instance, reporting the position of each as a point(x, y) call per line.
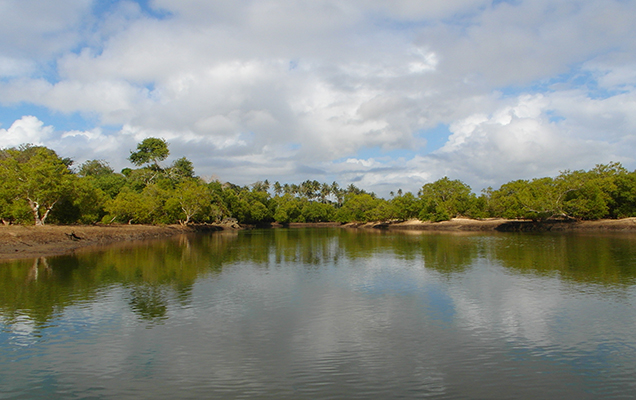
point(30, 242)
point(504, 225)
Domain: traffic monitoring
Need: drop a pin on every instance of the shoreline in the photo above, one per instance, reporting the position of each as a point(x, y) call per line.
point(507, 225)
point(24, 242)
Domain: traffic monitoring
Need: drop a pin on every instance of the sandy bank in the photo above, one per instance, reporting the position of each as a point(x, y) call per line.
point(504, 225)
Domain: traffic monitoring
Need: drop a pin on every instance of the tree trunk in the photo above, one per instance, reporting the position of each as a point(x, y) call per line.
point(35, 209)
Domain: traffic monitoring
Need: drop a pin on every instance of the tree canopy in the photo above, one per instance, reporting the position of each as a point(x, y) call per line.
point(38, 186)
point(34, 175)
point(150, 150)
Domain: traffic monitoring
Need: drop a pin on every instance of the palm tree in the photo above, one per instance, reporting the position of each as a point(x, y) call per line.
point(294, 189)
point(325, 190)
point(306, 189)
point(278, 189)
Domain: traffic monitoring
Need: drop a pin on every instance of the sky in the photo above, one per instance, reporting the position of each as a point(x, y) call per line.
point(386, 95)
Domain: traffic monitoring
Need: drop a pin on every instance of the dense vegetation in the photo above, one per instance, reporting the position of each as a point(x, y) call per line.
point(38, 186)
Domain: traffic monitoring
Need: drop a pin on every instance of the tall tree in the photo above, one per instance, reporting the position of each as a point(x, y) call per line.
point(150, 150)
point(278, 188)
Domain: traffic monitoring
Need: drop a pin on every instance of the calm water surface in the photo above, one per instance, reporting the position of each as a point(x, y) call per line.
point(325, 314)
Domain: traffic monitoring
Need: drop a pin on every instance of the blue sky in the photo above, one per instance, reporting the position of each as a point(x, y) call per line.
point(383, 94)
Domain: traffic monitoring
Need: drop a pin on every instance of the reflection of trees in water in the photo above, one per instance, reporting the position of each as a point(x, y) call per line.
point(314, 247)
point(154, 272)
point(446, 253)
point(306, 246)
point(40, 288)
point(159, 273)
point(150, 302)
point(606, 259)
point(40, 263)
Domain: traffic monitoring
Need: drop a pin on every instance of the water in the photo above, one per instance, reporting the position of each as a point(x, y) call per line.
point(325, 314)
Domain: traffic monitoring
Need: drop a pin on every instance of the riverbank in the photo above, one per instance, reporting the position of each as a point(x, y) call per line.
point(506, 225)
point(19, 242)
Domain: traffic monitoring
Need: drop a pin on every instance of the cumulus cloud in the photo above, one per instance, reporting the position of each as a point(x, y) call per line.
point(28, 129)
point(293, 89)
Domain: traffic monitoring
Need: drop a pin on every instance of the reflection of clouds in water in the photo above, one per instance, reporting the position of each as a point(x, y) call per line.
point(383, 274)
point(541, 311)
point(380, 324)
point(324, 332)
point(521, 307)
point(22, 331)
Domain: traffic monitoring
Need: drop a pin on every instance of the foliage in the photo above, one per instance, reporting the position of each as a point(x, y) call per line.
point(313, 211)
point(193, 199)
point(95, 168)
point(247, 206)
point(38, 186)
point(129, 206)
point(624, 197)
point(358, 208)
point(287, 209)
point(102, 176)
point(181, 170)
point(445, 199)
point(36, 175)
point(571, 195)
point(85, 204)
point(150, 150)
point(406, 206)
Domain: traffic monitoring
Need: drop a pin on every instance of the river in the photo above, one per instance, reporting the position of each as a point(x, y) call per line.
point(325, 314)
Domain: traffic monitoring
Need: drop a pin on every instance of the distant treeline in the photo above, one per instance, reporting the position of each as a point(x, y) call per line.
point(38, 186)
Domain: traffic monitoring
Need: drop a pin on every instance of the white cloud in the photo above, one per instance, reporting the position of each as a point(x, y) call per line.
point(293, 88)
point(28, 129)
point(38, 29)
point(13, 67)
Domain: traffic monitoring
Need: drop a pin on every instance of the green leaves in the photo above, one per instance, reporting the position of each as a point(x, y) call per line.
point(150, 150)
point(36, 175)
point(36, 184)
point(445, 199)
point(587, 195)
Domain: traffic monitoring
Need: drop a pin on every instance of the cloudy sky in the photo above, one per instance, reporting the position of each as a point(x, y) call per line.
point(382, 94)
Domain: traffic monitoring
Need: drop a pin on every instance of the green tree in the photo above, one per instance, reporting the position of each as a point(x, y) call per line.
point(102, 177)
point(84, 204)
point(95, 168)
point(247, 206)
point(357, 207)
point(313, 211)
point(589, 194)
point(130, 206)
point(181, 169)
point(278, 188)
point(406, 206)
point(36, 175)
point(287, 209)
point(624, 198)
point(445, 199)
point(383, 211)
point(193, 199)
point(150, 150)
